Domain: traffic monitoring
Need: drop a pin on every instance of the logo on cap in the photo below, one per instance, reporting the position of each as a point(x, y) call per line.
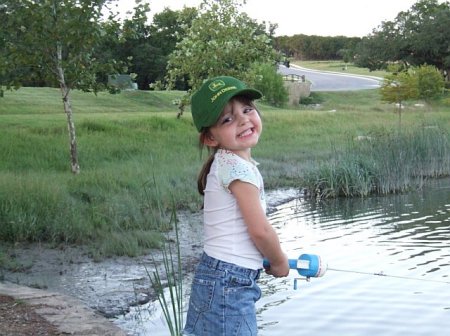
point(216, 85)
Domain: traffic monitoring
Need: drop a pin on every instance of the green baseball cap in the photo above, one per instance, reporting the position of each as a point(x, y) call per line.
point(208, 102)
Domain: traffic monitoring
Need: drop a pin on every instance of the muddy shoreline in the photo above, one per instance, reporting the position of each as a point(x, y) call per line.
point(113, 285)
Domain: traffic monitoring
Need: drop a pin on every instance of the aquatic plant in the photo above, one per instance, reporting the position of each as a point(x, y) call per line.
point(384, 163)
point(172, 272)
point(171, 275)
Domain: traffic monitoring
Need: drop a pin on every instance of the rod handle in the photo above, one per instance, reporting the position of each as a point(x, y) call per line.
point(307, 265)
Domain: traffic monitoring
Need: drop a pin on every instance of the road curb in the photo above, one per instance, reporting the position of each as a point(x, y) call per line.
point(66, 313)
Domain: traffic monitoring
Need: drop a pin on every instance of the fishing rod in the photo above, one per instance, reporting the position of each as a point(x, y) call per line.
point(312, 266)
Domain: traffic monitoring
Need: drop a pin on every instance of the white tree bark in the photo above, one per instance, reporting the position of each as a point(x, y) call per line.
point(65, 91)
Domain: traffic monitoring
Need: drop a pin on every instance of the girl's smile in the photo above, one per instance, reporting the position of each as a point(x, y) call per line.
point(246, 133)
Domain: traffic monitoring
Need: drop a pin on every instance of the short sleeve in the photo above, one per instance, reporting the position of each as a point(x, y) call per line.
point(231, 167)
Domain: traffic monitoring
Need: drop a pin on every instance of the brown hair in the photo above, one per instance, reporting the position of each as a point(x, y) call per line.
point(204, 171)
point(205, 133)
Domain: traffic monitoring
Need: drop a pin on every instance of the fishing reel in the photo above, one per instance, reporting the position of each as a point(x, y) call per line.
point(307, 265)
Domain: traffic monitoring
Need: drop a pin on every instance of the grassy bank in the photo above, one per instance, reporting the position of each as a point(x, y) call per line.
point(138, 161)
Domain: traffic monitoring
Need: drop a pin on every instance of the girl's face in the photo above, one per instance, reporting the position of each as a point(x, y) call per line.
point(238, 128)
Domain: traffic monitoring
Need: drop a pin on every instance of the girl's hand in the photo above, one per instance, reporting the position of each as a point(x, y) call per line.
point(280, 269)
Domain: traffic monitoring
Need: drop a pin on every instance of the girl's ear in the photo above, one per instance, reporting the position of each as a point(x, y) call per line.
point(209, 140)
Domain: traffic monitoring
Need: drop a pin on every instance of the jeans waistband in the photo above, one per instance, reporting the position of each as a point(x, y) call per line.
point(226, 266)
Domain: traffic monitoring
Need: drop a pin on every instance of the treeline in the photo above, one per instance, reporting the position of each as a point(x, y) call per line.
point(418, 36)
point(312, 47)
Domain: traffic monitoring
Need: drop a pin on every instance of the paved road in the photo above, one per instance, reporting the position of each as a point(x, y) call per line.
point(332, 81)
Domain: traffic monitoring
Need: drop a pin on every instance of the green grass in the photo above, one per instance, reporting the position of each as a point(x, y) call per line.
point(30, 101)
point(136, 158)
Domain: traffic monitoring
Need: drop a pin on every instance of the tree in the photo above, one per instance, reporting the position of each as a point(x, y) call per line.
point(169, 27)
point(147, 45)
point(427, 29)
point(399, 87)
point(135, 45)
point(221, 41)
point(376, 50)
point(418, 36)
point(57, 40)
point(3, 72)
point(346, 55)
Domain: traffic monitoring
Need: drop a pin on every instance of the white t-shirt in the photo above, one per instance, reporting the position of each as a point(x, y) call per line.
point(225, 232)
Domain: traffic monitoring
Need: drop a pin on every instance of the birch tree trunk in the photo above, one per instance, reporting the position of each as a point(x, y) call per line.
point(65, 91)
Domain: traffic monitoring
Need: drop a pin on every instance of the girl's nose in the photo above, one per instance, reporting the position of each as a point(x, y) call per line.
point(243, 118)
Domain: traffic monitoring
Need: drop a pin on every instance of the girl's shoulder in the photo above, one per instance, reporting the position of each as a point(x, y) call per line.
point(231, 166)
point(227, 157)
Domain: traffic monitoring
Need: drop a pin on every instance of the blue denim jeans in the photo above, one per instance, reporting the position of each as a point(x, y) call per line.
point(222, 301)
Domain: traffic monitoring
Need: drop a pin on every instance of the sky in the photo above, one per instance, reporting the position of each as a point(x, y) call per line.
point(351, 18)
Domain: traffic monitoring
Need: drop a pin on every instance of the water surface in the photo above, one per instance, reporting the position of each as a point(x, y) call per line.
point(389, 260)
point(398, 236)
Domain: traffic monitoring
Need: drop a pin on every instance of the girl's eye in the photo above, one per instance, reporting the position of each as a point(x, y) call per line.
point(226, 119)
point(248, 109)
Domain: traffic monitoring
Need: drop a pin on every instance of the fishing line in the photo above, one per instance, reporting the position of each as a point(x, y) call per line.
point(312, 266)
point(388, 275)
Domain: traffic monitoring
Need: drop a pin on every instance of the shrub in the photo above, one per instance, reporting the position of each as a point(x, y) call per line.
point(429, 81)
point(265, 78)
point(314, 98)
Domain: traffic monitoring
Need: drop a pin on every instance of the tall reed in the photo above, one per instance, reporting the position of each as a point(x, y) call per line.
point(172, 307)
point(170, 277)
point(386, 162)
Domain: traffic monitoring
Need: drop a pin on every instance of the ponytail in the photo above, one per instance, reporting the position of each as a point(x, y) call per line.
point(201, 180)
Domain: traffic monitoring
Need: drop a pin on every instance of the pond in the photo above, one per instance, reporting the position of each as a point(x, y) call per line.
point(388, 269)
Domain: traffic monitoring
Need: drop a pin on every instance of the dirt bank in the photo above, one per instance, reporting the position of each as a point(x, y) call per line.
point(109, 287)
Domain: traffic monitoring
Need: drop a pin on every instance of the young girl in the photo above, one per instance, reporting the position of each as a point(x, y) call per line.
point(237, 234)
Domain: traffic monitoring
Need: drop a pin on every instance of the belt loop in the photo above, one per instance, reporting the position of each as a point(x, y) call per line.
point(210, 261)
point(217, 264)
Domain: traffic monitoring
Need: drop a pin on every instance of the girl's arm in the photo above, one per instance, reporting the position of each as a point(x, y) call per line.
point(260, 230)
